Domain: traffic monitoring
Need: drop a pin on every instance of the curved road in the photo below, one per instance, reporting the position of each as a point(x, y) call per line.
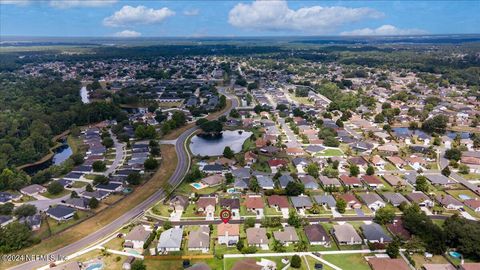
point(176, 178)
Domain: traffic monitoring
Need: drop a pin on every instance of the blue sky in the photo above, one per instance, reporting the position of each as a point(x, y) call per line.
point(235, 18)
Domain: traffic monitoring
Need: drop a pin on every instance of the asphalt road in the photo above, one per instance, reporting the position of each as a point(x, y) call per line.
point(175, 180)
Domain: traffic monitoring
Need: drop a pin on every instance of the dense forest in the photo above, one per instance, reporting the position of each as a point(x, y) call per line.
point(34, 110)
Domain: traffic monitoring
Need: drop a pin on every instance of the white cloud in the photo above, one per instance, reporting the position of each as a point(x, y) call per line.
point(384, 30)
point(191, 12)
point(128, 34)
point(15, 2)
point(129, 15)
point(81, 3)
point(277, 16)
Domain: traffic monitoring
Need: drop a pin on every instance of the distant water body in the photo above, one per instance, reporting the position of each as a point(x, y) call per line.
point(84, 95)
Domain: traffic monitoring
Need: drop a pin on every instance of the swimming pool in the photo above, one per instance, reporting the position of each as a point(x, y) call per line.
point(95, 266)
point(231, 190)
point(198, 185)
point(132, 251)
point(455, 254)
point(464, 197)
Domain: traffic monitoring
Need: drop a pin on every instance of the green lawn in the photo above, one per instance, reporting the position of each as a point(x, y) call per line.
point(471, 176)
point(54, 196)
point(187, 189)
point(331, 153)
point(79, 184)
point(348, 261)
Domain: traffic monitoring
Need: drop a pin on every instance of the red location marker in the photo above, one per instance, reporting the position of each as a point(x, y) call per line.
point(225, 215)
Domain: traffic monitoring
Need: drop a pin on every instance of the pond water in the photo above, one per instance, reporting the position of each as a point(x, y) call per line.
point(84, 95)
point(214, 146)
point(409, 132)
point(62, 153)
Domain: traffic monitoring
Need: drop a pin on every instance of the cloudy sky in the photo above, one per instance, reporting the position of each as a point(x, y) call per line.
point(235, 18)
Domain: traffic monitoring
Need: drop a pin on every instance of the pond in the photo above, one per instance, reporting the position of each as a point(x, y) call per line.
point(406, 131)
point(214, 146)
point(62, 153)
point(84, 95)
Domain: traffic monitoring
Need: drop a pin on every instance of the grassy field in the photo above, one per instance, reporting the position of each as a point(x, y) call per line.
point(331, 153)
point(420, 260)
point(103, 218)
point(348, 261)
point(54, 196)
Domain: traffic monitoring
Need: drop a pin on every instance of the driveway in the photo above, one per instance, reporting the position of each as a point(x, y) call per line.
point(359, 212)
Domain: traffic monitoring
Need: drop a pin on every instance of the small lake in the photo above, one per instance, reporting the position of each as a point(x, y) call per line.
point(62, 153)
point(409, 132)
point(84, 95)
point(215, 146)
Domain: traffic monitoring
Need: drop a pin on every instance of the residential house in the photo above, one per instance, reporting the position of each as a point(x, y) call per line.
point(394, 198)
point(79, 203)
point(301, 203)
point(276, 164)
point(61, 212)
point(387, 264)
point(388, 149)
point(170, 240)
point(34, 222)
point(137, 237)
point(374, 233)
point(397, 229)
point(372, 200)
point(233, 205)
point(254, 203)
point(5, 220)
point(257, 237)
point(199, 239)
point(284, 179)
point(346, 234)
point(350, 181)
point(317, 235)
point(295, 151)
point(448, 202)
point(178, 203)
point(228, 233)
point(309, 182)
point(300, 164)
point(438, 266)
point(250, 158)
point(287, 236)
point(420, 198)
point(279, 203)
point(372, 181)
point(378, 162)
point(207, 205)
point(439, 179)
point(469, 266)
point(214, 169)
point(397, 161)
point(474, 204)
point(33, 190)
point(329, 182)
point(265, 181)
point(351, 200)
point(326, 200)
point(394, 180)
point(213, 180)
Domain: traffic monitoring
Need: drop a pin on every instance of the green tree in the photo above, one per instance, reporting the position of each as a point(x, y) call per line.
point(167, 225)
point(89, 188)
point(446, 171)
point(55, 188)
point(312, 169)
point(296, 262)
point(100, 180)
point(6, 208)
point(15, 236)
point(293, 219)
point(150, 164)
point(228, 152)
point(341, 205)
point(354, 170)
point(253, 185)
point(385, 215)
point(134, 178)
point(370, 170)
point(437, 124)
point(421, 184)
point(99, 166)
point(93, 203)
point(138, 265)
point(107, 142)
point(25, 210)
point(453, 154)
point(393, 249)
point(294, 188)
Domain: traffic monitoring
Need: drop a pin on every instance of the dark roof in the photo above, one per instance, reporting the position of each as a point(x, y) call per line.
point(110, 186)
point(60, 211)
point(374, 232)
point(316, 233)
point(232, 203)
